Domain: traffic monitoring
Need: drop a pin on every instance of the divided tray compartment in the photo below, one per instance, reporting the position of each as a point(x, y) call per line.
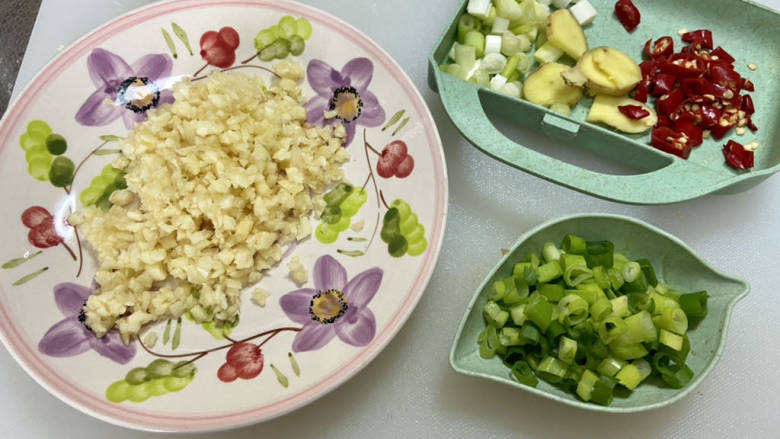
point(748, 31)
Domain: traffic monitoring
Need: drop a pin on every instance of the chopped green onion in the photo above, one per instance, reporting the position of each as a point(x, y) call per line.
point(629, 377)
point(519, 269)
point(610, 366)
point(575, 275)
point(611, 328)
point(601, 308)
point(627, 351)
point(509, 336)
point(516, 293)
point(631, 271)
point(548, 272)
point(476, 40)
point(555, 329)
point(517, 313)
point(574, 245)
point(511, 66)
point(679, 378)
point(643, 367)
point(587, 319)
point(539, 311)
point(571, 260)
point(600, 277)
point(573, 309)
point(466, 23)
point(567, 349)
point(647, 269)
point(553, 292)
point(499, 289)
point(694, 304)
point(524, 374)
point(529, 335)
point(590, 292)
point(672, 319)
point(552, 370)
point(640, 327)
point(513, 354)
point(586, 384)
point(670, 339)
point(640, 302)
point(602, 391)
point(599, 253)
point(550, 252)
point(494, 315)
point(661, 303)
point(615, 278)
point(620, 306)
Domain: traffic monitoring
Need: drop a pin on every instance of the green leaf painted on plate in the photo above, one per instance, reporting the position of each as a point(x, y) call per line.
point(400, 127)
point(357, 239)
point(15, 262)
point(282, 378)
point(110, 138)
point(29, 277)
point(107, 151)
point(394, 119)
point(218, 332)
point(182, 35)
point(353, 253)
point(169, 42)
point(294, 364)
point(167, 332)
point(176, 335)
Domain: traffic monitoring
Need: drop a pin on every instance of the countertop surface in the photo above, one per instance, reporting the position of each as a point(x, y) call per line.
point(409, 390)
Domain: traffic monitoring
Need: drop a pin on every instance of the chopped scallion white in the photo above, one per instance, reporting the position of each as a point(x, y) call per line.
point(493, 44)
point(584, 12)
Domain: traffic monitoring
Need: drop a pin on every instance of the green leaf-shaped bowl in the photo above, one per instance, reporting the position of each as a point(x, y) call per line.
point(675, 263)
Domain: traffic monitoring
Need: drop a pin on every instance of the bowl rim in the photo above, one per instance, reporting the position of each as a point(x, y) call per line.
point(571, 401)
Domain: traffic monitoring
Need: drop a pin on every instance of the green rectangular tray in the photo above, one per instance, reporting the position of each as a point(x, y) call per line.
point(748, 31)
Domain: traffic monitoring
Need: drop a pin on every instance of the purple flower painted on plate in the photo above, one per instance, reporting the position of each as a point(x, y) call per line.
point(124, 90)
point(334, 307)
point(344, 95)
point(69, 336)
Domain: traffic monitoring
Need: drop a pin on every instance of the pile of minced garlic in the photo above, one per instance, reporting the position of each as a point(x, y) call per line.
point(218, 183)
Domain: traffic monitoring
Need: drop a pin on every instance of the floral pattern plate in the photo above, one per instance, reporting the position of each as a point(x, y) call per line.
point(293, 343)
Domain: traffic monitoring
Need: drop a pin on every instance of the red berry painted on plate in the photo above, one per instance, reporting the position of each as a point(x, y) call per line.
point(385, 168)
point(229, 36)
point(227, 373)
point(44, 236)
point(34, 216)
point(246, 359)
point(219, 48)
point(395, 160)
point(405, 167)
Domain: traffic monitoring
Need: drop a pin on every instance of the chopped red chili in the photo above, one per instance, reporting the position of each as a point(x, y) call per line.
point(668, 140)
point(747, 105)
point(627, 14)
point(662, 48)
point(633, 112)
point(682, 65)
point(670, 103)
point(699, 38)
point(663, 84)
point(692, 132)
point(722, 55)
point(726, 76)
point(698, 92)
point(737, 156)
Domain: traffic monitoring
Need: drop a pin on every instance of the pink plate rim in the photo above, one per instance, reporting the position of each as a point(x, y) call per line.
point(23, 351)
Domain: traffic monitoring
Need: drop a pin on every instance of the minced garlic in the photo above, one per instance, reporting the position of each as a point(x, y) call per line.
point(218, 183)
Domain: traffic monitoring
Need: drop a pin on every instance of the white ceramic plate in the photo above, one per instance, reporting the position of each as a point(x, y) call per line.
point(83, 95)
